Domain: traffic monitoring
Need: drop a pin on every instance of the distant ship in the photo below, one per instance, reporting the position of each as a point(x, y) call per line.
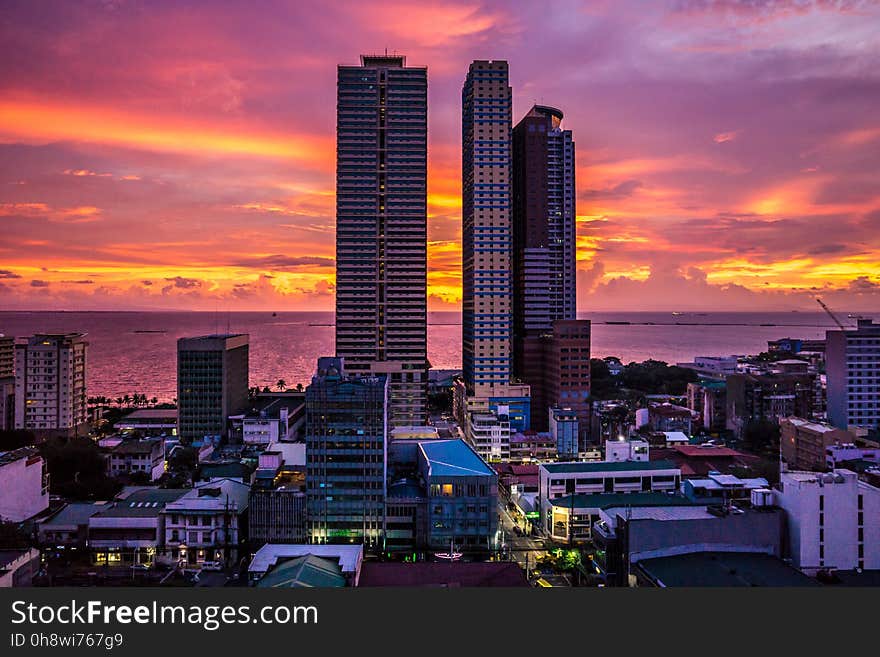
point(150, 331)
point(274, 314)
point(676, 314)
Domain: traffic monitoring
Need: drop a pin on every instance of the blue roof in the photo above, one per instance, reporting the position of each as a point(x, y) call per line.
point(453, 458)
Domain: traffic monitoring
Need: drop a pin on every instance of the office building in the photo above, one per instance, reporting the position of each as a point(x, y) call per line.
point(852, 363)
point(50, 385)
point(833, 520)
point(381, 228)
point(212, 383)
point(804, 443)
point(708, 398)
point(346, 440)
point(564, 430)
point(551, 350)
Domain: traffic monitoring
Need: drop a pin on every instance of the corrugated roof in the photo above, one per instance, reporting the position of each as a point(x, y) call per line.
point(723, 569)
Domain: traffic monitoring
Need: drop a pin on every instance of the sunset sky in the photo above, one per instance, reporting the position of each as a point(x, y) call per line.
point(180, 155)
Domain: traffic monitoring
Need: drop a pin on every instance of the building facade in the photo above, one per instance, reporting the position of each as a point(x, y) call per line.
point(381, 228)
point(544, 265)
point(771, 397)
point(804, 443)
point(212, 383)
point(487, 386)
point(833, 520)
point(852, 362)
point(7, 382)
point(50, 384)
point(346, 440)
point(137, 456)
point(24, 484)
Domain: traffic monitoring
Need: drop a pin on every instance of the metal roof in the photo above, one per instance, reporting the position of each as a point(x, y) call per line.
point(453, 458)
point(607, 466)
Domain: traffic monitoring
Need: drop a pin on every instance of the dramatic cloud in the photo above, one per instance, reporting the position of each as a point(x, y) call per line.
point(727, 152)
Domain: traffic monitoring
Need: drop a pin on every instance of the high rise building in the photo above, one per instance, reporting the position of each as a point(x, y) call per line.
point(852, 365)
point(544, 205)
point(551, 348)
point(381, 228)
point(487, 385)
point(212, 383)
point(50, 384)
point(346, 440)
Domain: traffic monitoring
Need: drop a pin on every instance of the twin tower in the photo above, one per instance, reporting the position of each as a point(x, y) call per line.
point(518, 249)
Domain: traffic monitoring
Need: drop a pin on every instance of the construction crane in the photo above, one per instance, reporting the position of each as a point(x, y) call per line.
point(830, 314)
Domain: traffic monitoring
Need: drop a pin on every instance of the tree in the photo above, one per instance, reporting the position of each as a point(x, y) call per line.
point(77, 469)
point(761, 437)
point(15, 438)
point(281, 385)
point(299, 387)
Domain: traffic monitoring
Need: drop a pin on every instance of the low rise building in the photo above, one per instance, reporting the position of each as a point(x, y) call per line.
point(68, 526)
point(718, 488)
point(134, 456)
point(150, 422)
point(833, 520)
point(18, 567)
point(625, 535)
point(348, 557)
point(24, 484)
point(767, 397)
point(271, 417)
point(849, 452)
point(716, 367)
point(131, 529)
point(462, 496)
point(670, 417)
point(708, 398)
point(207, 523)
point(532, 447)
point(803, 443)
point(634, 449)
point(564, 430)
point(563, 485)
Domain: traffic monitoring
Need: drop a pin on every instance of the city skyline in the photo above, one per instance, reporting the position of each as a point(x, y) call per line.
point(726, 154)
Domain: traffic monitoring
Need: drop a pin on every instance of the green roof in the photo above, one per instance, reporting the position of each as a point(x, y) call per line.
point(723, 569)
point(307, 571)
point(609, 500)
point(607, 466)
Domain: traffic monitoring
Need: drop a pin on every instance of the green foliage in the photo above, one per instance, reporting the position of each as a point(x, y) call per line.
point(15, 438)
point(184, 459)
point(654, 377)
point(77, 469)
point(761, 437)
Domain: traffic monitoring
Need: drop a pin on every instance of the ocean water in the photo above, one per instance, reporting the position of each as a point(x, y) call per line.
point(125, 359)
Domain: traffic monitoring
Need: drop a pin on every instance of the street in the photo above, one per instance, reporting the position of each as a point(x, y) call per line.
point(525, 550)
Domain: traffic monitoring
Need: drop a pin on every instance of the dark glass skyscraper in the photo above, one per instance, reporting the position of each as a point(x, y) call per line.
point(381, 228)
point(346, 430)
point(551, 350)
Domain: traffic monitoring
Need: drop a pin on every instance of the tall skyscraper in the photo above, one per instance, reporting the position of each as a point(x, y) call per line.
point(381, 228)
point(551, 348)
point(852, 365)
point(212, 383)
point(50, 384)
point(487, 288)
point(346, 438)
point(544, 204)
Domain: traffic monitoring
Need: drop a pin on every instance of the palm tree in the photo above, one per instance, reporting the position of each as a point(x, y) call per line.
point(126, 399)
point(282, 384)
point(154, 401)
point(299, 387)
point(119, 401)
